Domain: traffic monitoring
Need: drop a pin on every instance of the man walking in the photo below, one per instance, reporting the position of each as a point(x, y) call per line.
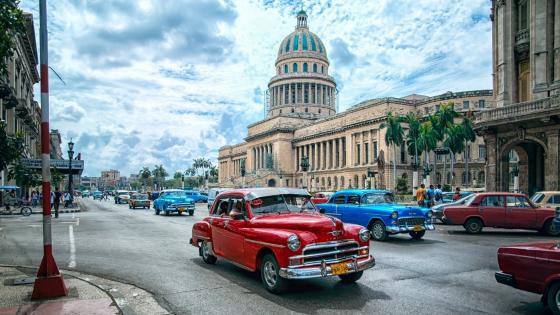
point(421, 195)
point(57, 196)
point(438, 194)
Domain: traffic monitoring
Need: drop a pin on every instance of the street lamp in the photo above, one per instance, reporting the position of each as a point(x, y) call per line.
point(304, 167)
point(70, 157)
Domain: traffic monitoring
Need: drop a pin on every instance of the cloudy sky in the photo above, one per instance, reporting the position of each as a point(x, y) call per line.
point(151, 81)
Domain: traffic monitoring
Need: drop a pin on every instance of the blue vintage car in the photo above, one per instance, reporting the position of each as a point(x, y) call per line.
point(173, 200)
point(377, 210)
point(196, 196)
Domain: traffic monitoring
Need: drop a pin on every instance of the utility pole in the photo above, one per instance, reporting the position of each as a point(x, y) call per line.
point(49, 282)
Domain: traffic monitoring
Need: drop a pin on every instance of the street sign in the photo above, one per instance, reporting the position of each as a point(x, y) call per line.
point(77, 165)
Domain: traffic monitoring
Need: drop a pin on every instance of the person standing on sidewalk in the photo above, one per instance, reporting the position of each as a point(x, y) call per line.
point(421, 195)
point(57, 196)
point(34, 198)
point(438, 194)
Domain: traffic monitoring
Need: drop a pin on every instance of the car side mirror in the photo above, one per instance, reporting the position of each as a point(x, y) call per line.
point(236, 215)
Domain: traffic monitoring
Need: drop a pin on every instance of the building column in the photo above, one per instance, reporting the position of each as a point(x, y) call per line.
point(289, 93)
point(556, 59)
point(370, 158)
point(505, 66)
point(540, 70)
point(551, 171)
point(328, 156)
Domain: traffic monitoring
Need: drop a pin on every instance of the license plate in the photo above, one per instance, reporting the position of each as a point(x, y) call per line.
point(339, 269)
point(418, 228)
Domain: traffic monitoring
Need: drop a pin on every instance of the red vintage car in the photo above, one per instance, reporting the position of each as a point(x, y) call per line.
point(533, 267)
point(279, 232)
point(502, 210)
point(321, 197)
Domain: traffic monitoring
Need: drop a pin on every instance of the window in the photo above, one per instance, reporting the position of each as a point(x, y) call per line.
point(296, 42)
point(322, 69)
point(516, 202)
point(338, 199)
point(522, 15)
point(285, 68)
point(319, 110)
point(313, 47)
point(358, 154)
point(465, 104)
point(292, 110)
point(492, 201)
point(294, 68)
point(305, 67)
point(366, 151)
point(537, 198)
point(481, 104)
point(288, 45)
point(353, 200)
point(306, 109)
point(222, 207)
point(280, 111)
point(554, 199)
point(315, 67)
point(482, 152)
point(304, 41)
point(403, 154)
point(375, 150)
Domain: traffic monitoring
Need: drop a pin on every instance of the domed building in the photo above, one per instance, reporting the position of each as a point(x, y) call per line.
point(302, 124)
point(302, 85)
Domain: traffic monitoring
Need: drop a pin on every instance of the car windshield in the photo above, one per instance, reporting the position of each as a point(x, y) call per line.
point(175, 194)
point(466, 200)
point(538, 197)
point(140, 196)
point(377, 198)
point(282, 204)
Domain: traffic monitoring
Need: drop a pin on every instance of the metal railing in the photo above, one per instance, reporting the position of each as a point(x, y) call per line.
point(519, 109)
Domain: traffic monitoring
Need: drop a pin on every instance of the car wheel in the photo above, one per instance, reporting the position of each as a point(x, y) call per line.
point(157, 211)
point(129, 207)
point(351, 277)
point(553, 298)
point(378, 231)
point(550, 229)
point(473, 226)
point(270, 274)
point(191, 212)
point(25, 211)
point(417, 235)
point(205, 253)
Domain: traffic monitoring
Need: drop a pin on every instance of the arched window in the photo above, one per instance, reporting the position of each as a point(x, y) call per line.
point(292, 110)
point(285, 68)
point(294, 68)
point(315, 67)
point(304, 41)
point(305, 67)
point(288, 45)
point(313, 47)
point(322, 69)
point(296, 42)
point(306, 109)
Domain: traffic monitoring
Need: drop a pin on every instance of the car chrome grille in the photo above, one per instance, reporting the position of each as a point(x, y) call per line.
point(329, 252)
point(411, 221)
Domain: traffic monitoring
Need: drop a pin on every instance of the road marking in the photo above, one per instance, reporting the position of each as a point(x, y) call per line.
point(72, 263)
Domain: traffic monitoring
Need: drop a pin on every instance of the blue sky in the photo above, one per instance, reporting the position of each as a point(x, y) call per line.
point(164, 82)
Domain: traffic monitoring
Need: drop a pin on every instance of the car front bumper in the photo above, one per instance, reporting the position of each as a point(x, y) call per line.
point(409, 228)
point(325, 270)
point(180, 207)
point(505, 278)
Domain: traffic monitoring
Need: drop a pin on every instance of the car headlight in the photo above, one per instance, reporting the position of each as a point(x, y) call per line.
point(430, 214)
point(394, 215)
point(293, 243)
point(364, 235)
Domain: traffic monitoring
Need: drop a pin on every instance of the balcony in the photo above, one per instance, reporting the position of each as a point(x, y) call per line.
point(522, 37)
point(541, 109)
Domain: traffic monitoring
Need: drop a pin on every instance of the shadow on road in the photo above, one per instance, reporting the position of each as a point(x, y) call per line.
point(303, 296)
point(407, 241)
point(531, 309)
point(498, 233)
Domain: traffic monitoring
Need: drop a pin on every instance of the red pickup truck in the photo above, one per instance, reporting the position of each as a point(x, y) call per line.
point(502, 210)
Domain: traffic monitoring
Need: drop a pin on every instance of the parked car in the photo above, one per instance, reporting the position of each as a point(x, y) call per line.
point(85, 194)
point(196, 196)
point(139, 200)
point(533, 267)
point(447, 197)
point(557, 219)
point(502, 210)
point(122, 196)
point(280, 233)
point(438, 209)
point(173, 200)
point(377, 210)
point(549, 199)
point(97, 195)
point(321, 197)
point(212, 194)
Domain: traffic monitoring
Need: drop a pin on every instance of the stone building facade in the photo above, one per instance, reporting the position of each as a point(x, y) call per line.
point(526, 120)
point(17, 105)
point(341, 148)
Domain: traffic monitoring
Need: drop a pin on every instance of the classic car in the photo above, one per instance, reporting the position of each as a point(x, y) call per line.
point(502, 210)
point(173, 200)
point(377, 210)
point(196, 196)
point(557, 219)
point(97, 195)
point(280, 233)
point(447, 197)
point(438, 209)
point(139, 200)
point(549, 199)
point(122, 196)
point(212, 194)
point(533, 267)
point(321, 197)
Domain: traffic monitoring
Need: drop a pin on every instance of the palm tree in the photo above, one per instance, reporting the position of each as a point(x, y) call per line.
point(427, 139)
point(145, 174)
point(160, 174)
point(469, 136)
point(413, 131)
point(443, 120)
point(454, 141)
point(393, 137)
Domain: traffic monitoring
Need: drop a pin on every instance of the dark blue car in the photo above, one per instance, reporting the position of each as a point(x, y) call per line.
point(377, 210)
point(196, 196)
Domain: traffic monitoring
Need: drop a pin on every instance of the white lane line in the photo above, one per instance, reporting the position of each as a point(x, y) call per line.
point(72, 263)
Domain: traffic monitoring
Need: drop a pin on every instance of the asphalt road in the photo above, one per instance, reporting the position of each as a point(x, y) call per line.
point(449, 272)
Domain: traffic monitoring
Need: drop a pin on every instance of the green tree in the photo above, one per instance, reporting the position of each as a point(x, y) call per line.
point(25, 177)
point(454, 140)
point(393, 137)
point(469, 136)
point(11, 24)
point(412, 136)
point(145, 174)
point(177, 175)
point(427, 140)
point(159, 174)
point(11, 147)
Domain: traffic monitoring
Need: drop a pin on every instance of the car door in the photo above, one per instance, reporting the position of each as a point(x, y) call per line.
point(217, 222)
point(234, 237)
point(351, 209)
point(332, 207)
point(520, 213)
point(492, 210)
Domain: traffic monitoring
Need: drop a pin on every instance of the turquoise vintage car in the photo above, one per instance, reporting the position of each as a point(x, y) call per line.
point(173, 200)
point(377, 210)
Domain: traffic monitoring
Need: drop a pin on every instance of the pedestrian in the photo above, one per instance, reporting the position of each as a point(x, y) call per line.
point(438, 194)
point(430, 196)
point(66, 199)
point(57, 197)
point(421, 195)
point(457, 194)
point(34, 198)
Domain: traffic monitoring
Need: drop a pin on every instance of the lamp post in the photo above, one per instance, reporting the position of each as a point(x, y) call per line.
point(70, 177)
point(304, 167)
point(243, 172)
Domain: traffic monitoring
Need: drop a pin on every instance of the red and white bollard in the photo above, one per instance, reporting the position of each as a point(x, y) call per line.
point(49, 282)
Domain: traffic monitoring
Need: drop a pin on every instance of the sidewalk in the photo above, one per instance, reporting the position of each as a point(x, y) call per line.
point(86, 295)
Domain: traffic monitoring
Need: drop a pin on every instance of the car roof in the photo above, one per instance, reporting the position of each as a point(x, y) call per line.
point(171, 190)
point(363, 191)
point(501, 193)
point(254, 193)
point(549, 192)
